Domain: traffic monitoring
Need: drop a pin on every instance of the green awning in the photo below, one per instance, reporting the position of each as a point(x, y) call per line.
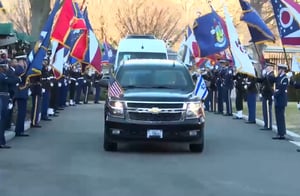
point(6, 29)
point(24, 37)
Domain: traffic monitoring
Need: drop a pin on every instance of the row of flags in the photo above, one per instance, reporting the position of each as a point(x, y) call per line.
point(213, 35)
point(69, 35)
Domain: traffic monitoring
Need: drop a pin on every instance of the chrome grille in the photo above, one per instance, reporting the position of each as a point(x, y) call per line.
point(155, 117)
point(167, 112)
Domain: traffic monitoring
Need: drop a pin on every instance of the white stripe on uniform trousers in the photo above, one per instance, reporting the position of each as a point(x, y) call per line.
point(229, 101)
point(268, 114)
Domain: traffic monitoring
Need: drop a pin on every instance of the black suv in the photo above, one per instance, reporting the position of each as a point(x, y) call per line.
point(157, 104)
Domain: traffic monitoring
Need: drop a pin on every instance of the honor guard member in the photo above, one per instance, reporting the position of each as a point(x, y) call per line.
point(251, 99)
point(87, 84)
point(72, 84)
point(267, 91)
point(219, 84)
point(5, 81)
point(280, 101)
point(11, 72)
point(227, 79)
point(295, 82)
point(36, 96)
point(79, 85)
point(46, 77)
point(206, 76)
point(65, 86)
point(213, 90)
point(97, 78)
point(21, 96)
point(240, 91)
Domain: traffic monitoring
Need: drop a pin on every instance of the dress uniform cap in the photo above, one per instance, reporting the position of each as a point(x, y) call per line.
point(270, 64)
point(23, 56)
point(282, 66)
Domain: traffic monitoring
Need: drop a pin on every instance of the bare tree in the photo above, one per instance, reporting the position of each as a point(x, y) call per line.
point(39, 14)
point(142, 17)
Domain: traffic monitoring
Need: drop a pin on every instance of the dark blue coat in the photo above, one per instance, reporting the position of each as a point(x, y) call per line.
point(280, 94)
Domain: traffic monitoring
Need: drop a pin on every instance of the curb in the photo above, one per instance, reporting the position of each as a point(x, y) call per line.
point(9, 135)
point(290, 135)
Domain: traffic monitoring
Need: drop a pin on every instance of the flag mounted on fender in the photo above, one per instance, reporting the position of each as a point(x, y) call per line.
point(114, 88)
point(200, 88)
point(257, 27)
point(210, 33)
point(287, 15)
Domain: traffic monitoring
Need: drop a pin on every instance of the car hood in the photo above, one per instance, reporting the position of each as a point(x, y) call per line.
point(157, 95)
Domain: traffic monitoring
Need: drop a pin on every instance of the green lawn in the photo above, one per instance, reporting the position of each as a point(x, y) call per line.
point(292, 115)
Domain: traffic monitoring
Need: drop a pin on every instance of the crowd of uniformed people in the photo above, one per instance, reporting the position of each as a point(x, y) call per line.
point(270, 86)
point(48, 92)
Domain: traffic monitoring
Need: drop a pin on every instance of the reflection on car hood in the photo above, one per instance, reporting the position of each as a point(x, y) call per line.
point(157, 95)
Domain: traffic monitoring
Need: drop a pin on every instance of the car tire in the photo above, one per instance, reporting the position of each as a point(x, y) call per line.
point(197, 147)
point(110, 146)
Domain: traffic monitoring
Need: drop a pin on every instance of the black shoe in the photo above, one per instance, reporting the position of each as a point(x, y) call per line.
point(60, 108)
point(4, 146)
point(96, 102)
point(35, 126)
point(227, 114)
point(22, 135)
point(266, 129)
point(250, 122)
point(278, 137)
point(46, 119)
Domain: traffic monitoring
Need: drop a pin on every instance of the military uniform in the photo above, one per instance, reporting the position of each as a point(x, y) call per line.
point(5, 82)
point(240, 90)
point(21, 97)
point(46, 77)
point(36, 95)
point(280, 100)
point(97, 77)
point(267, 92)
point(251, 98)
point(227, 83)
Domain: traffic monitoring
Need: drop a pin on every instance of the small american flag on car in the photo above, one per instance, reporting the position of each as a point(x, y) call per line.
point(114, 88)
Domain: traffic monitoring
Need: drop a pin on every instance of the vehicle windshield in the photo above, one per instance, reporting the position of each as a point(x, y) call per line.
point(148, 76)
point(124, 56)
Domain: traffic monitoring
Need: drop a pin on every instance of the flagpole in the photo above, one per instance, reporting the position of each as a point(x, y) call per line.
point(83, 3)
point(285, 56)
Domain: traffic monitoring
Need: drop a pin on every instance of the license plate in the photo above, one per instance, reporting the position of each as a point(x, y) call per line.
point(154, 133)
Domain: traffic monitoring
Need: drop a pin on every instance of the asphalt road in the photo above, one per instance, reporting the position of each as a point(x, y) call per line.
point(65, 158)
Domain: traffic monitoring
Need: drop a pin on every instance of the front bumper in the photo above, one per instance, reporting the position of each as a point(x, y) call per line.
point(118, 130)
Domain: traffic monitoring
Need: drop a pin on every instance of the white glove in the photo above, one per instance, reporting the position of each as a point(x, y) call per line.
point(10, 106)
point(289, 74)
point(59, 84)
point(43, 90)
point(264, 72)
point(76, 83)
point(260, 95)
point(84, 81)
point(29, 92)
point(51, 84)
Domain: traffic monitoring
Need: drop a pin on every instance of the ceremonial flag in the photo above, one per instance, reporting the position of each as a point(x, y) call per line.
point(287, 15)
point(200, 88)
point(192, 44)
point(240, 56)
point(93, 54)
point(58, 61)
point(114, 88)
point(257, 27)
point(210, 34)
point(2, 8)
point(36, 56)
point(108, 53)
point(66, 21)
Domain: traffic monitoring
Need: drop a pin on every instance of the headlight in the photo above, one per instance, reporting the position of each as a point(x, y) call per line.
point(116, 108)
point(194, 110)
